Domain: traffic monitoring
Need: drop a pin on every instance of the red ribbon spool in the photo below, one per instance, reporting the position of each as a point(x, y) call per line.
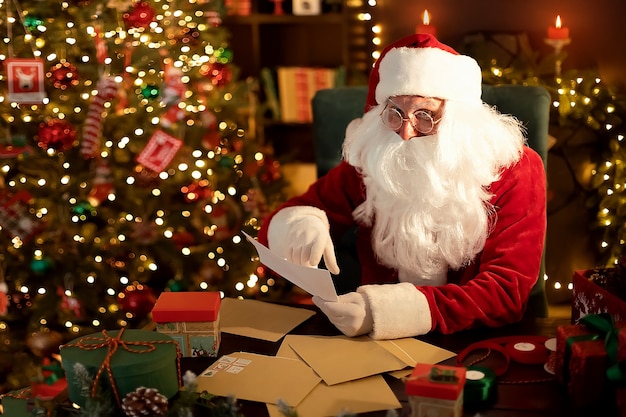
point(529, 350)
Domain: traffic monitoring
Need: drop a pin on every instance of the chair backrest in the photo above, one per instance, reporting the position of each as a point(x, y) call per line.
point(334, 108)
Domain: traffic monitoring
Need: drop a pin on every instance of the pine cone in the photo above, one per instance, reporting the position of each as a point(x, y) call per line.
point(145, 402)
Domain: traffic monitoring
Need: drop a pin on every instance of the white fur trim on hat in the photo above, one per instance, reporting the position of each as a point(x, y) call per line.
point(398, 310)
point(428, 72)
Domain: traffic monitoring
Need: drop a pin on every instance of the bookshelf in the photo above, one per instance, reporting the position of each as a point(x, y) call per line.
point(337, 37)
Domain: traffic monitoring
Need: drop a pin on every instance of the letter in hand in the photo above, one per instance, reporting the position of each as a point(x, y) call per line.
point(351, 313)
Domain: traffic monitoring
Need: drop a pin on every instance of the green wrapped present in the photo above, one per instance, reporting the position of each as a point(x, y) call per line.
point(19, 403)
point(122, 361)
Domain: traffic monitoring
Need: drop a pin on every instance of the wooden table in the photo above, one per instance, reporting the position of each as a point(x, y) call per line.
point(525, 390)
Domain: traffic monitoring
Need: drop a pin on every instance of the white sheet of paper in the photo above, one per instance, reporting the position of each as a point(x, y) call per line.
point(312, 280)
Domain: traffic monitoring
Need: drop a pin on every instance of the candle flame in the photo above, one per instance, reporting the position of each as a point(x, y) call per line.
point(558, 22)
point(426, 18)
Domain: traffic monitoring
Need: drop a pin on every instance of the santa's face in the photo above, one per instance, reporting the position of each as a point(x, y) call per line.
point(412, 116)
point(425, 197)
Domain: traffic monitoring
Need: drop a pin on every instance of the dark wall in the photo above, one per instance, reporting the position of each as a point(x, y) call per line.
point(597, 28)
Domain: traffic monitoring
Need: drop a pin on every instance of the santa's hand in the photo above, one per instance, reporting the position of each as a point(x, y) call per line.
point(351, 313)
point(300, 235)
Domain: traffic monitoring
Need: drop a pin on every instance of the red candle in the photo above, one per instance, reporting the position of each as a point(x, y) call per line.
point(425, 27)
point(557, 31)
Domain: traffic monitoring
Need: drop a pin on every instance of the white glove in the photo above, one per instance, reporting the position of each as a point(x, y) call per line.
point(300, 235)
point(351, 314)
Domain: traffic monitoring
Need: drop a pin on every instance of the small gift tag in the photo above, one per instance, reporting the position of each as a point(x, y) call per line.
point(15, 216)
point(25, 78)
point(159, 151)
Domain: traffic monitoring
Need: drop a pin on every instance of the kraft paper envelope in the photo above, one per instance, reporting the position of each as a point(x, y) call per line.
point(312, 280)
point(259, 319)
point(254, 377)
point(340, 359)
point(360, 396)
point(412, 351)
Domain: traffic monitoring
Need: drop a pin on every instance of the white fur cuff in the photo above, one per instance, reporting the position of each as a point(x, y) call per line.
point(281, 222)
point(398, 310)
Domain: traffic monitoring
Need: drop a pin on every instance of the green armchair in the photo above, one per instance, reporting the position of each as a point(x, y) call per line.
point(334, 108)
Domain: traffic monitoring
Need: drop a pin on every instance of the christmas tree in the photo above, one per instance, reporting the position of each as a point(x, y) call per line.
point(127, 166)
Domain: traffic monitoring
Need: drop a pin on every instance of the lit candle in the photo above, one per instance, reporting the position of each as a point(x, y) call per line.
point(425, 27)
point(557, 31)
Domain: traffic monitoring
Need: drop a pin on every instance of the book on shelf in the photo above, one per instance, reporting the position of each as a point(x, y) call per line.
point(296, 88)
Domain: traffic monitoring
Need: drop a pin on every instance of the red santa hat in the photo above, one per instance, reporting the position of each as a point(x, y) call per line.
point(421, 65)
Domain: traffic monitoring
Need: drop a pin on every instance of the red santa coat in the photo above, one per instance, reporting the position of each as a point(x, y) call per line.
point(493, 290)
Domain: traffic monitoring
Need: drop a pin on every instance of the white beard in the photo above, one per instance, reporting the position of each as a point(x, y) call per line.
point(427, 198)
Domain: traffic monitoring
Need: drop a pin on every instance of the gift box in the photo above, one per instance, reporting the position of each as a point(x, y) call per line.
point(51, 383)
point(584, 354)
point(25, 403)
point(192, 319)
point(599, 290)
point(436, 390)
point(121, 361)
point(18, 403)
point(48, 391)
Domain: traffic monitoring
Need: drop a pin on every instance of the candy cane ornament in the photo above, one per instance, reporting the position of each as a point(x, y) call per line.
point(92, 130)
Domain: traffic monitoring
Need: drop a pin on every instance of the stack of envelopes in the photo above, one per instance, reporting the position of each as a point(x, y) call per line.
point(317, 375)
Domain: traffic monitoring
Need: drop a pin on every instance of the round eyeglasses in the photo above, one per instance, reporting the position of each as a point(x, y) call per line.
point(421, 120)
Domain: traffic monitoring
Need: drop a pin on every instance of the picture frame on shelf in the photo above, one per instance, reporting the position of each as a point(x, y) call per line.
point(307, 7)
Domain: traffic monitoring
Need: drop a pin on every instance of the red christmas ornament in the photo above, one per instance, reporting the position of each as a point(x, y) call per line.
point(69, 304)
point(56, 134)
point(63, 75)
point(183, 239)
point(271, 170)
point(219, 74)
point(237, 145)
point(199, 190)
point(211, 139)
point(146, 178)
point(139, 16)
point(252, 168)
point(102, 185)
point(137, 299)
point(214, 18)
point(4, 298)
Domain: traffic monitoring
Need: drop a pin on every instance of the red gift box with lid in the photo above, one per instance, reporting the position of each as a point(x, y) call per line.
point(582, 362)
point(436, 390)
point(192, 319)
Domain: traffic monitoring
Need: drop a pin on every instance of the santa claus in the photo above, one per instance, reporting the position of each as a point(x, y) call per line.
point(448, 201)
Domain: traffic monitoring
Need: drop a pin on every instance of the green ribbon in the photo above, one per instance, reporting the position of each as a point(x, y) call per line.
point(56, 373)
point(480, 391)
point(603, 326)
